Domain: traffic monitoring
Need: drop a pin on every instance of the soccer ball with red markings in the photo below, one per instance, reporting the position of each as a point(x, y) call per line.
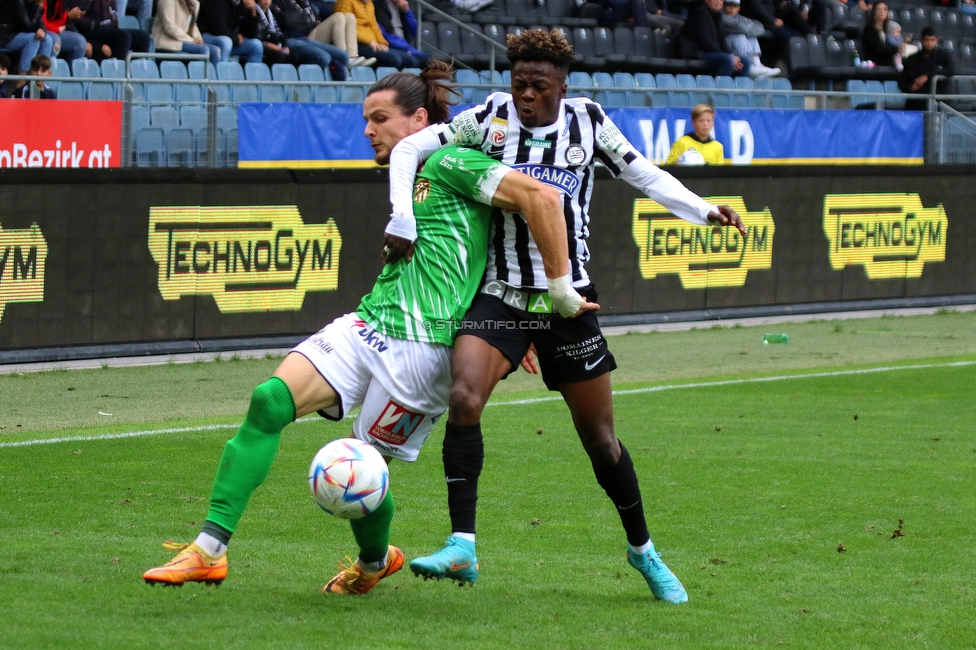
point(348, 478)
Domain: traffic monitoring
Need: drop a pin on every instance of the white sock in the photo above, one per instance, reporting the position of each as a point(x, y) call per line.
point(642, 549)
point(372, 567)
point(211, 545)
point(465, 536)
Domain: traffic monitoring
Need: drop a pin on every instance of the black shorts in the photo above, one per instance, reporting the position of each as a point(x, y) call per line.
point(570, 350)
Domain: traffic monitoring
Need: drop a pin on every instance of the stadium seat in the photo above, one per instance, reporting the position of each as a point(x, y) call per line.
point(625, 81)
point(799, 57)
point(584, 44)
point(428, 37)
point(83, 67)
point(706, 84)
point(604, 92)
point(626, 45)
point(101, 91)
point(684, 95)
point(197, 70)
point(364, 74)
point(193, 116)
point(448, 39)
point(857, 88)
point(666, 84)
point(129, 22)
point(149, 146)
point(230, 71)
point(723, 99)
point(645, 83)
point(580, 83)
point(139, 116)
point(383, 71)
point(465, 78)
point(180, 147)
point(496, 32)
point(968, 28)
point(966, 59)
point(287, 72)
point(144, 69)
point(164, 116)
point(607, 49)
point(474, 49)
point(226, 117)
point(70, 90)
point(60, 68)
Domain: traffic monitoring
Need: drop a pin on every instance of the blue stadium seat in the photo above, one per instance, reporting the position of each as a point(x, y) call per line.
point(683, 95)
point(666, 84)
point(323, 94)
point(607, 93)
point(144, 69)
point(230, 71)
point(582, 80)
point(197, 70)
point(193, 116)
point(226, 117)
point(257, 72)
point(164, 116)
point(83, 67)
point(59, 68)
point(287, 72)
point(383, 71)
point(101, 91)
point(129, 22)
point(706, 86)
point(415, 71)
point(181, 147)
point(139, 117)
point(721, 99)
point(364, 74)
point(149, 146)
point(625, 81)
point(71, 90)
point(465, 78)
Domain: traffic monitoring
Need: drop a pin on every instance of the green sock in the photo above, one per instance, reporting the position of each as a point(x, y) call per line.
point(372, 532)
point(248, 456)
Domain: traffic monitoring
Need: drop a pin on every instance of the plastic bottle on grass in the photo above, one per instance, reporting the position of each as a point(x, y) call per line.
point(775, 338)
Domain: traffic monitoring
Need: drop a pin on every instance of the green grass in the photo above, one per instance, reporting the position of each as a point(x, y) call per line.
point(751, 489)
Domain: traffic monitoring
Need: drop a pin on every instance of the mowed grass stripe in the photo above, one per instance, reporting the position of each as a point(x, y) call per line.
point(535, 400)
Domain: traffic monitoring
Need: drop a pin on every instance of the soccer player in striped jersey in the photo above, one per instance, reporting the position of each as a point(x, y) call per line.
point(392, 355)
point(557, 140)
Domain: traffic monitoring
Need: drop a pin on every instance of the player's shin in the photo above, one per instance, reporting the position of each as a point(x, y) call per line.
point(372, 533)
point(620, 483)
point(248, 456)
point(464, 457)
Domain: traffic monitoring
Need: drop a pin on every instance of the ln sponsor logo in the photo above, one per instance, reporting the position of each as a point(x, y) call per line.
point(249, 258)
point(702, 256)
point(23, 254)
point(891, 235)
point(396, 424)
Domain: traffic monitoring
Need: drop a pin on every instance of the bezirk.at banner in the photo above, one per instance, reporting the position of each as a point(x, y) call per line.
point(62, 133)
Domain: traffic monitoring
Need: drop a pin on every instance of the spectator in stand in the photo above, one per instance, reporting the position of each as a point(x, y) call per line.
point(371, 42)
point(69, 45)
point(339, 29)
point(22, 29)
point(141, 9)
point(697, 147)
point(874, 40)
point(4, 71)
point(224, 23)
point(273, 40)
point(99, 24)
point(777, 45)
point(922, 66)
point(175, 29)
point(624, 12)
point(703, 37)
point(40, 67)
point(297, 20)
point(659, 17)
point(741, 36)
point(399, 25)
point(968, 6)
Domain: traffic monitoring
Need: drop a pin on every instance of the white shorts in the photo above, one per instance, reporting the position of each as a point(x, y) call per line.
point(403, 386)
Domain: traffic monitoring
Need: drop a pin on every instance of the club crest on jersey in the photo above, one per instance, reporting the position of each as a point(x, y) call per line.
point(498, 132)
point(395, 424)
point(575, 155)
point(421, 189)
point(370, 336)
point(554, 176)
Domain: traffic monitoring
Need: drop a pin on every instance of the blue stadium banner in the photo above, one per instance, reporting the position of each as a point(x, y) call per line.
point(784, 137)
point(331, 135)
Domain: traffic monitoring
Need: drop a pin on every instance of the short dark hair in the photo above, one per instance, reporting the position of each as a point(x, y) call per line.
point(4, 61)
point(929, 31)
point(40, 62)
point(431, 90)
point(540, 45)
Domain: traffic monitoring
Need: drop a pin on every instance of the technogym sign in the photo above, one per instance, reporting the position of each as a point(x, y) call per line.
point(702, 256)
point(23, 257)
point(891, 235)
point(249, 258)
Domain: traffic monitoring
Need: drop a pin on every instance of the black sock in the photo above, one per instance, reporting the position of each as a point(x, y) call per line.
point(217, 531)
point(464, 456)
point(620, 483)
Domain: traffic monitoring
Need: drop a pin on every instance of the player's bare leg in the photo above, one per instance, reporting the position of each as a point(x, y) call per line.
point(591, 405)
point(476, 368)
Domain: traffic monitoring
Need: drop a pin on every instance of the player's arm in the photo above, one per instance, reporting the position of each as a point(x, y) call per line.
point(406, 157)
point(621, 158)
point(542, 207)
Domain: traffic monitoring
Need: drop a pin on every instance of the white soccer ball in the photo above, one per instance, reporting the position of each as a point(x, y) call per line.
point(348, 478)
point(691, 157)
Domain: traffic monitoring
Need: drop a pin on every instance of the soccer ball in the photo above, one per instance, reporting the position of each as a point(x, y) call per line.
point(691, 157)
point(348, 478)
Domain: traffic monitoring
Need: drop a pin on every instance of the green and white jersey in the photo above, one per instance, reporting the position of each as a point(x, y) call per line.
point(425, 299)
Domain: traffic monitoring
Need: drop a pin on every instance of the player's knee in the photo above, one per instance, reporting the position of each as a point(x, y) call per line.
point(466, 404)
point(272, 406)
point(603, 449)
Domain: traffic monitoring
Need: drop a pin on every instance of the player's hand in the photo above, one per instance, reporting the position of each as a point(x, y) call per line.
point(396, 247)
point(726, 216)
point(530, 362)
point(585, 307)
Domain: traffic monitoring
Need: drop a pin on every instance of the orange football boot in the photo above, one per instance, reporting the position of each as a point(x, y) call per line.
point(192, 564)
point(352, 580)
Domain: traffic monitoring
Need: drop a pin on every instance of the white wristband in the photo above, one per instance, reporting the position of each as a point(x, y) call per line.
point(565, 299)
point(402, 227)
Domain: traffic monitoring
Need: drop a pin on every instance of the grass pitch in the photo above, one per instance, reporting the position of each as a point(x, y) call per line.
point(824, 510)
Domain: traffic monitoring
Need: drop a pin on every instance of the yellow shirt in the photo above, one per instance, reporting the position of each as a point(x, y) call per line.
point(367, 29)
point(712, 151)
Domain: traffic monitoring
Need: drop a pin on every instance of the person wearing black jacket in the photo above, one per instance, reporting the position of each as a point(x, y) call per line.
point(269, 33)
point(296, 19)
point(22, 29)
point(100, 27)
point(231, 25)
point(920, 67)
point(703, 37)
point(776, 46)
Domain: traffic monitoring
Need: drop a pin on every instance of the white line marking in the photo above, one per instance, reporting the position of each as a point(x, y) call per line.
point(536, 400)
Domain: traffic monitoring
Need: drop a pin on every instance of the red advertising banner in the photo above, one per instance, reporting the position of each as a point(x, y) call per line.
point(60, 133)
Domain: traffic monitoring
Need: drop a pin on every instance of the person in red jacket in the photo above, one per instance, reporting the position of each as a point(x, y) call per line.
point(69, 45)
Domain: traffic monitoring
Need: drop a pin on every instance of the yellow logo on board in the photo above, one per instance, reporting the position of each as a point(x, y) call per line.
point(23, 254)
point(702, 256)
point(249, 258)
point(891, 235)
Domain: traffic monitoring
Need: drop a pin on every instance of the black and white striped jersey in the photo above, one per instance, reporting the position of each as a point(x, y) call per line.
point(562, 155)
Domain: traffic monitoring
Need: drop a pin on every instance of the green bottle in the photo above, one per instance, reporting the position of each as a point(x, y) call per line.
point(775, 338)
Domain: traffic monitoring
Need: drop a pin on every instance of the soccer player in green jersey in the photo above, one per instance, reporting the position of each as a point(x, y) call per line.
point(392, 355)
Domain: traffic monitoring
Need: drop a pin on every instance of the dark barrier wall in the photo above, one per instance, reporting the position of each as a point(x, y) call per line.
point(95, 268)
